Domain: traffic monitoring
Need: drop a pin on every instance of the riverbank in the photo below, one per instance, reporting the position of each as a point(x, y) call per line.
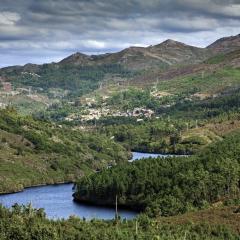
point(37, 181)
point(169, 186)
point(108, 203)
point(123, 202)
point(24, 187)
point(58, 203)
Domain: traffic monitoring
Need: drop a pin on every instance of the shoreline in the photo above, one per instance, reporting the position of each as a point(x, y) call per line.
point(69, 182)
point(35, 186)
point(129, 207)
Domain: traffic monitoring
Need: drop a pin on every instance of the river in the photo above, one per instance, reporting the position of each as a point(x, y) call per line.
point(138, 156)
point(58, 202)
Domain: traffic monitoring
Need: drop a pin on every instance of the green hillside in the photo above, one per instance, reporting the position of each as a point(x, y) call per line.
point(77, 121)
point(35, 152)
point(169, 186)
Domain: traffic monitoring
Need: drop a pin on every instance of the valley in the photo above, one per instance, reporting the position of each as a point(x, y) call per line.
point(79, 120)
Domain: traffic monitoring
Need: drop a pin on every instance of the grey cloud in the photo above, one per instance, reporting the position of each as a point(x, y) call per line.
point(51, 29)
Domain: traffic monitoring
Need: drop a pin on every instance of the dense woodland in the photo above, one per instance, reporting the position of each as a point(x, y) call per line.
point(169, 186)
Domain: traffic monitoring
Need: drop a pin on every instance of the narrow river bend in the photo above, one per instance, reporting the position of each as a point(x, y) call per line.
point(58, 202)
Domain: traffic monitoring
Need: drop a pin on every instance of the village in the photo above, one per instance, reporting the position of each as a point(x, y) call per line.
point(96, 113)
point(93, 110)
point(91, 107)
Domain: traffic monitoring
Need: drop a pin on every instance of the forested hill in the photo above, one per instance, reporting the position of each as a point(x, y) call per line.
point(35, 152)
point(170, 186)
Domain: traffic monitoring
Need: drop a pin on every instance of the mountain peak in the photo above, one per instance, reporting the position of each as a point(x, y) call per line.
point(169, 43)
point(76, 58)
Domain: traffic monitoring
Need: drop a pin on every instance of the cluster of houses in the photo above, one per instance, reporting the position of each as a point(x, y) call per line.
point(31, 74)
point(97, 113)
point(95, 109)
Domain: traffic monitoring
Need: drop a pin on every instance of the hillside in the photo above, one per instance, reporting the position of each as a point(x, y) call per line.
point(34, 152)
point(80, 74)
point(162, 55)
point(81, 66)
point(169, 186)
point(226, 44)
point(177, 107)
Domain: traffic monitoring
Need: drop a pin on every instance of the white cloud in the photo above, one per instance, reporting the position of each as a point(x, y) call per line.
point(9, 18)
point(95, 44)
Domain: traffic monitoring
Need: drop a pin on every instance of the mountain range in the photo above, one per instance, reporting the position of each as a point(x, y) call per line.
point(168, 53)
point(139, 66)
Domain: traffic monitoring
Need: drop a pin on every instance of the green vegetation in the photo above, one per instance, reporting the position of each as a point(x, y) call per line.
point(25, 223)
point(35, 152)
point(196, 111)
point(132, 98)
point(160, 136)
point(226, 104)
point(169, 186)
point(26, 106)
point(181, 128)
point(208, 82)
point(79, 79)
point(219, 58)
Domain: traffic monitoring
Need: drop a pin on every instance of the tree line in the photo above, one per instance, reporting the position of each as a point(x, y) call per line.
point(169, 186)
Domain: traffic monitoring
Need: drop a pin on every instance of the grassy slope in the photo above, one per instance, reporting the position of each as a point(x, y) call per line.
point(208, 83)
point(34, 152)
point(228, 216)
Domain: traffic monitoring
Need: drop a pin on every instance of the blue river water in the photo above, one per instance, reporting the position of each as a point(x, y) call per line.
point(138, 156)
point(58, 202)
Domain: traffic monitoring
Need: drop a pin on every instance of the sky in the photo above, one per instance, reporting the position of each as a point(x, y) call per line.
point(42, 31)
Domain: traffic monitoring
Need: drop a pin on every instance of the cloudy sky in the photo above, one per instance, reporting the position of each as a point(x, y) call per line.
point(39, 31)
